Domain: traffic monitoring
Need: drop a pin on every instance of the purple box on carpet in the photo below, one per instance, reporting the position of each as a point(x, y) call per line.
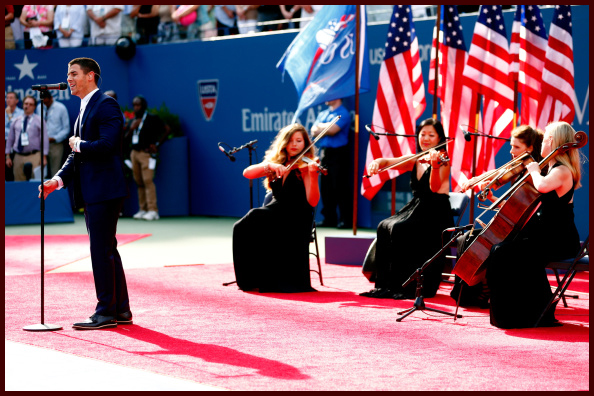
point(347, 249)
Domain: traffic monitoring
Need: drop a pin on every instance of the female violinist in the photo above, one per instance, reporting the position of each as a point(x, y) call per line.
point(408, 239)
point(524, 139)
point(271, 243)
point(516, 272)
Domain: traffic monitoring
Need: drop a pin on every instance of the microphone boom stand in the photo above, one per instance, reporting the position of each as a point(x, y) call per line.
point(419, 304)
point(250, 146)
point(42, 326)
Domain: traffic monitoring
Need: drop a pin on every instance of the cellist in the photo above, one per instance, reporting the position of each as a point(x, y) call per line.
point(516, 273)
point(524, 139)
point(271, 243)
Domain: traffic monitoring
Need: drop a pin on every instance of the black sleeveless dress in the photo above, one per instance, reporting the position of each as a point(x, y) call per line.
point(408, 239)
point(516, 273)
point(271, 243)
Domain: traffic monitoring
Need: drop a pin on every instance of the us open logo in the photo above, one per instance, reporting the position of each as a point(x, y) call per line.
point(208, 92)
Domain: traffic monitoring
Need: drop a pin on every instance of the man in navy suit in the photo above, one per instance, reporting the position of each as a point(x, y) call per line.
point(94, 169)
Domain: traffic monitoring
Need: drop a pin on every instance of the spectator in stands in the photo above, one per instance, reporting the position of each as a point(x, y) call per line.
point(147, 23)
point(18, 30)
point(69, 24)
point(39, 22)
point(291, 12)
point(226, 20)
point(207, 21)
point(166, 29)
point(8, 36)
point(57, 126)
point(11, 113)
point(267, 13)
point(308, 11)
point(128, 23)
point(25, 140)
point(106, 23)
point(185, 17)
point(247, 18)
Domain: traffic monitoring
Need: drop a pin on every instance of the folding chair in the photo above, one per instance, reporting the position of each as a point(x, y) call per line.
point(313, 238)
point(581, 262)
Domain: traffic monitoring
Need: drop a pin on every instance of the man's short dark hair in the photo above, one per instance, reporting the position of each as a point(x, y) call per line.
point(16, 95)
point(87, 65)
point(32, 97)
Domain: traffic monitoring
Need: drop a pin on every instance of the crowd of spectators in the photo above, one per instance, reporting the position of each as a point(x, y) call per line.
point(51, 26)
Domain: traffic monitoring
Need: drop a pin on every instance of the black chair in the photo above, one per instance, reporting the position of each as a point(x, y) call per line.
point(581, 262)
point(458, 202)
point(313, 238)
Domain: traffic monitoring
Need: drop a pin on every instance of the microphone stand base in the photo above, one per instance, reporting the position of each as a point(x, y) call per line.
point(42, 327)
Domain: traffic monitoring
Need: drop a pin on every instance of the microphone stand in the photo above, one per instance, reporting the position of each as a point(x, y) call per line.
point(468, 138)
point(42, 326)
point(250, 146)
point(419, 304)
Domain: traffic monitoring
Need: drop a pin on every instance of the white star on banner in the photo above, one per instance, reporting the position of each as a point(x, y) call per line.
point(26, 68)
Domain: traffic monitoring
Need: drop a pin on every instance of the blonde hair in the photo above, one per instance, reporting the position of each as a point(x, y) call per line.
point(563, 133)
point(277, 153)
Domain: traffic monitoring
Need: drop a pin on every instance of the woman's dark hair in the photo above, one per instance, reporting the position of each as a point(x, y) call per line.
point(438, 128)
point(530, 137)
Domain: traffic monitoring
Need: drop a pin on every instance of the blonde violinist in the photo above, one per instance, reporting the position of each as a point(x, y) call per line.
point(408, 239)
point(271, 243)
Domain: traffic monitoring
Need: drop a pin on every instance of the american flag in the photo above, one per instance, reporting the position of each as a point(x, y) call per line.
point(527, 49)
point(486, 72)
point(458, 102)
point(400, 97)
point(558, 100)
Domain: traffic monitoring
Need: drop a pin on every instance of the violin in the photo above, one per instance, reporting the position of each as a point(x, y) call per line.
point(523, 199)
point(506, 174)
point(442, 158)
point(308, 161)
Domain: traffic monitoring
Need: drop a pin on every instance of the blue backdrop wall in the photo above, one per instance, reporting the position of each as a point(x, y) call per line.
point(252, 102)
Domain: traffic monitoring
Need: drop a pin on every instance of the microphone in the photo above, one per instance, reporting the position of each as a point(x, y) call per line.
point(371, 132)
point(466, 134)
point(231, 157)
point(466, 227)
point(44, 87)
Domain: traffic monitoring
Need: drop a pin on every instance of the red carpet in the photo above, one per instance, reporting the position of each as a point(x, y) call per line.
point(189, 326)
point(22, 253)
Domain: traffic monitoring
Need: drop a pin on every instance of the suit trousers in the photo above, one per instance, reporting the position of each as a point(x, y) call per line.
point(110, 282)
point(143, 176)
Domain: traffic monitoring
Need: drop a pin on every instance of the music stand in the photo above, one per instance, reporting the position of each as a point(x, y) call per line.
point(42, 326)
point(419, 304)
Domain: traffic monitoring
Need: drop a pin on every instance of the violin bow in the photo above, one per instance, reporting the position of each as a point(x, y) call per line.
point(314, 142)
point(385, 168)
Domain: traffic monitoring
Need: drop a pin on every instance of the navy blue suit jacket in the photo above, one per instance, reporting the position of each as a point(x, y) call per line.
point(99, 165)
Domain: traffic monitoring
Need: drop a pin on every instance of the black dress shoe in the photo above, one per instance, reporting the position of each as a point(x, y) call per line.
point(124, 318)
point(96, 322)
point(402, 296)
point(378, 293)
point(344, 226)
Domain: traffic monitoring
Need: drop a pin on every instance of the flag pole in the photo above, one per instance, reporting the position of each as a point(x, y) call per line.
point(515, 123)
point(435, 82)
point(356, 148)
point(478, 110)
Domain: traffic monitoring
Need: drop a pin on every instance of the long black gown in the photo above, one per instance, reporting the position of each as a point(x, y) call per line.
point(271, 243)
point(408, 239)
point(516, 273)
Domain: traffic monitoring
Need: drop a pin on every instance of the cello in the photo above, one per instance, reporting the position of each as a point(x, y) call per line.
point(523, 200)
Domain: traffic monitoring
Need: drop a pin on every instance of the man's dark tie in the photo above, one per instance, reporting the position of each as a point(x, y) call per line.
point(20, 145)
